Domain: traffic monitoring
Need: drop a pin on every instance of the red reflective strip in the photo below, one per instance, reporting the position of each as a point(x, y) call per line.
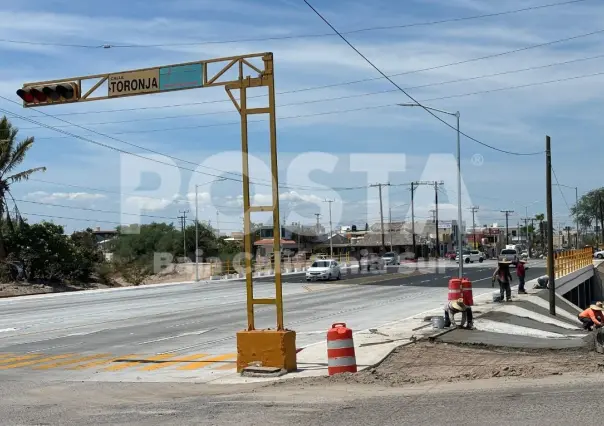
point(336, 353)
point(338, 370)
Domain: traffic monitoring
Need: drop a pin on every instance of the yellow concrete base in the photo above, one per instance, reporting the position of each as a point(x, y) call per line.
point(269, 348)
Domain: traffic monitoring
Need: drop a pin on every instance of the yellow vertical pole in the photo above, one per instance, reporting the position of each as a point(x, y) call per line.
point(270, 76)
point(247, 229)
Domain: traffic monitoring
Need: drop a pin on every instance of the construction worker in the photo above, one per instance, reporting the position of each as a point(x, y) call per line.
point(542, 282)
point(521, 274)
point(454, 307)
point(504, 278)
point(592, 316)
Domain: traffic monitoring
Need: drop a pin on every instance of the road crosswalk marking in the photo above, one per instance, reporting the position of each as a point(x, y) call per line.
point(70, 361)
point(173, 362)
point(35, 361)
point(106, 362)
point(208, 361)
point(137, 362)
point(102, 362)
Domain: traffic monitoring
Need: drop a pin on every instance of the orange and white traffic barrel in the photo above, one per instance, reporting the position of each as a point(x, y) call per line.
point(466, 290)
point(454, 289)
point(340, 350)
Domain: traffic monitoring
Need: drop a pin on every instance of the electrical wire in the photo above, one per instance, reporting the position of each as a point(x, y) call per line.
point(346, 83)
point(422, 86)
point(560, 189)
point(341, 111)
point(407, 94)
point(105, 211)
point(218, 177)
point(291, 37)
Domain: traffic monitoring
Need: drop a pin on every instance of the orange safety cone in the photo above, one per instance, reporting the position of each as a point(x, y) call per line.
point(340, 350)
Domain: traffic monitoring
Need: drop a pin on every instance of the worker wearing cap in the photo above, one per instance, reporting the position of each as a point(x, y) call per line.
point(592, 316)
point(454, 307)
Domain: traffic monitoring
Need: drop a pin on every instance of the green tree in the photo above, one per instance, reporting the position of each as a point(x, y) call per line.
point(45, 253)
point(590, 209)
point(12, 154)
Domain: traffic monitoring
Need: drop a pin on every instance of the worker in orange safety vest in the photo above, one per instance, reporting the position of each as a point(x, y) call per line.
point(592, 316)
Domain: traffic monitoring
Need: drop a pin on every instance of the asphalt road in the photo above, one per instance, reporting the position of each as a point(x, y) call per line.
point(134, 334)
point(558, 400)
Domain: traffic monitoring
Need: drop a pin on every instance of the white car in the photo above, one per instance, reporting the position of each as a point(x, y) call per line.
point(471, 256)
point(510, 255)
point(324, 269)
point(599, 254)
point(391, 258)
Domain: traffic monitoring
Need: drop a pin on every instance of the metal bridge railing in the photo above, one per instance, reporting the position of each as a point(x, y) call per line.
point(568, 261)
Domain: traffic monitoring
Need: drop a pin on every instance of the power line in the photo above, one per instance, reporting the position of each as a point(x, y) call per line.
point(73, 135)
point(347, 83)
point(343, 111)
point(291, 37)
point(403, 90)
point(104, 211)
point(441, 83)
point(560, 189)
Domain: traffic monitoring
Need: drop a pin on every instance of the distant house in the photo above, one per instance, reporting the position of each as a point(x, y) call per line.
point(103, 240)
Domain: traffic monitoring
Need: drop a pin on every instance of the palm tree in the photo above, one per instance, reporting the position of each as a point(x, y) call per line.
point(541, 217)
point(12, 154)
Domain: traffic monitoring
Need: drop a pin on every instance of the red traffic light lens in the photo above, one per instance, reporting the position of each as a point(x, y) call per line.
point(25, 95)
point(39, 95)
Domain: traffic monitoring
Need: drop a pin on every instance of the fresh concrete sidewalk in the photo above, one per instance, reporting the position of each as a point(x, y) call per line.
point(523, 323)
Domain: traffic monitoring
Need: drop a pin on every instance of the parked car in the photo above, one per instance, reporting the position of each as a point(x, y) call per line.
point(471, 256)
point(326, 269)
point(391, 258)
point(599, 254)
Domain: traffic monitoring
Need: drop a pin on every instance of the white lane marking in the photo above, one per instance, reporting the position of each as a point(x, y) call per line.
point(192, 333)
point(4, 330)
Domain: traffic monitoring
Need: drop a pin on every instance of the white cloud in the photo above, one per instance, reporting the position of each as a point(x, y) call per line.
point(46, 197)
point(146, 203)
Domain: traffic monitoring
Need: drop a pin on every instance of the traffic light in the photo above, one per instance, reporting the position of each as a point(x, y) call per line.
point(58, 93)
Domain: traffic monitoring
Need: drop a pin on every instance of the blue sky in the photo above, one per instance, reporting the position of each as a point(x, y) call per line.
point(322, 144)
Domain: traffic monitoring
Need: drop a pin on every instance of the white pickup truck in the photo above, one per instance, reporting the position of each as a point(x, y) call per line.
point(471, 256)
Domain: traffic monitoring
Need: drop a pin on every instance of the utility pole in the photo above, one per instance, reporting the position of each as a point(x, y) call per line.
point(379, 185)
point(217, 224)
point(436, 184)
point(507, 216)
point(183, 219)
point(318, 223)
point(528, 237)
point(330, 229)
point(390, 226)
point(433, 215)
point(413, 188)
point(474, 209)
point(550, 227)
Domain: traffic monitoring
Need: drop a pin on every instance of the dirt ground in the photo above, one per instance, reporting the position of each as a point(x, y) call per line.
point(430, 362)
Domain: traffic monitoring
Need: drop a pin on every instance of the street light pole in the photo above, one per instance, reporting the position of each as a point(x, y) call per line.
point(196, 236)
point(459, 216)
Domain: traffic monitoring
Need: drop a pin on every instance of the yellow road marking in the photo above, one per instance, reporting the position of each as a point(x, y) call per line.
point(213, 360)
point(35, 361)
point(19, 358)
point(124, 365)
point(176, 361)
point(229, 366)
point(101, 362)
point(6, 355)
point(70, 361)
